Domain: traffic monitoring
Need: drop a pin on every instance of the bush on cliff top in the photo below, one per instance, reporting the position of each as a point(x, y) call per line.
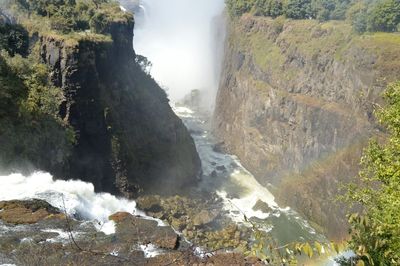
point(364, 15)
point(65, 16)
point(14, 39)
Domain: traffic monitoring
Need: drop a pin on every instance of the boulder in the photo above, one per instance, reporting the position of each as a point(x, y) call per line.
point(262, 206)
point(205, 217)
point(221, 168)
point(28, 211)
point(178, 223)
point(149, 204)
point(119, 216)
point(131, 229)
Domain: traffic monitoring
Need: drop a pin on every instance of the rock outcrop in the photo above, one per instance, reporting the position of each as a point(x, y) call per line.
point(127, 137)
point(136, 241)
point(28, 211)
point(296, 102)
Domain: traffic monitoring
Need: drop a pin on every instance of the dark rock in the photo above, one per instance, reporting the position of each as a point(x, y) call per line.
point(219, 147)
point(149, 204)
point(221, 168)
point(214, 173)
point(262, 206)
point(129, 139)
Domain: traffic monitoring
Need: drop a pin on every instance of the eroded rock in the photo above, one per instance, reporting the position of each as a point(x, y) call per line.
point(28, 211)
point(205, 217)
point(262, 206)
point(139, 230)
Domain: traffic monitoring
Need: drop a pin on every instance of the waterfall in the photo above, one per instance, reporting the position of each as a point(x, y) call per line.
point(179, 37)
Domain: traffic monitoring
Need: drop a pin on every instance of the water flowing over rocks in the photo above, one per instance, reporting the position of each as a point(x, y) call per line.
point(54, 239)
point(201, 222)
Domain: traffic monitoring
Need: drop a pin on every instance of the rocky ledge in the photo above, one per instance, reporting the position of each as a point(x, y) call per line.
point(32, 232)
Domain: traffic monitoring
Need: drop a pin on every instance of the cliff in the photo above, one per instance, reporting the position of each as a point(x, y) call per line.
point(296, 105)
point(127, 140)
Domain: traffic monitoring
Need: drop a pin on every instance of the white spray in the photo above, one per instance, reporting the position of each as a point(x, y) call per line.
point(76, 197)
point(178, 37)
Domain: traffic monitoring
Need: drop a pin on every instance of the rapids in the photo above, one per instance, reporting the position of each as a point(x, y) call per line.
point(75, 197)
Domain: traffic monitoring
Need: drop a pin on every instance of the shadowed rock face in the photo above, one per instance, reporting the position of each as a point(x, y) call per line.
point(295, 101)
point(128, 138)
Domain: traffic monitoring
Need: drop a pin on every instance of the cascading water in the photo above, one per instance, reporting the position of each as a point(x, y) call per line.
point(176, 37)
point(76, 197)
point(179, 39)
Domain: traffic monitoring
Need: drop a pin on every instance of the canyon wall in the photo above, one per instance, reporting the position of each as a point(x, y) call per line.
point(127, 139)
point(296, 102)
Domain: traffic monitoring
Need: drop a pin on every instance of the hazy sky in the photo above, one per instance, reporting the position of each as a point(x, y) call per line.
point(176, 36)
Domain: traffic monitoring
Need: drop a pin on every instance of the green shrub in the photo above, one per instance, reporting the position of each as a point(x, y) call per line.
point(299, 9)
point(384, 16)
point(364, 15)
point(66, 16)
point(357, 15)
point(14, 39)
point(239, 7)
point(375, 232)
point(31, 130)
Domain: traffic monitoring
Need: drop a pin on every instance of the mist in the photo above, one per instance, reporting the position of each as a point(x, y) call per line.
point(183, 40)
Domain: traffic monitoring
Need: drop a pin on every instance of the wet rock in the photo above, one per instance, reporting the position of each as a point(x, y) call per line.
point(28, 211)
point(179, 224)
point(149, 204)
point(221, 258)
point(221, 168)
point(119, 217)
point(133, 229)
point(214, 173)
point(262, 206)
point(205, 217)
point(218, 147)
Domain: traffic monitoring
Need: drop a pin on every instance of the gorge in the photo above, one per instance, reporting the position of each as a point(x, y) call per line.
point(215, 135)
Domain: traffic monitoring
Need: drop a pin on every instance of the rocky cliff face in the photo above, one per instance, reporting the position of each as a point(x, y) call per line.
point(296, 105)
point(127, 137)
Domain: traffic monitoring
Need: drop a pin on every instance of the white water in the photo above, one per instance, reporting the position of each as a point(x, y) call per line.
point(239, 189)
point(178, 37)
point(74, 196)
point(247, 191)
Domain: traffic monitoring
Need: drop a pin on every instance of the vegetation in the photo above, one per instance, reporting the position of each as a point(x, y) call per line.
point(66, 16)
point(375, 231)
point(14, 39)
point(364, 15)
point(29, 105)
point(31, 127)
